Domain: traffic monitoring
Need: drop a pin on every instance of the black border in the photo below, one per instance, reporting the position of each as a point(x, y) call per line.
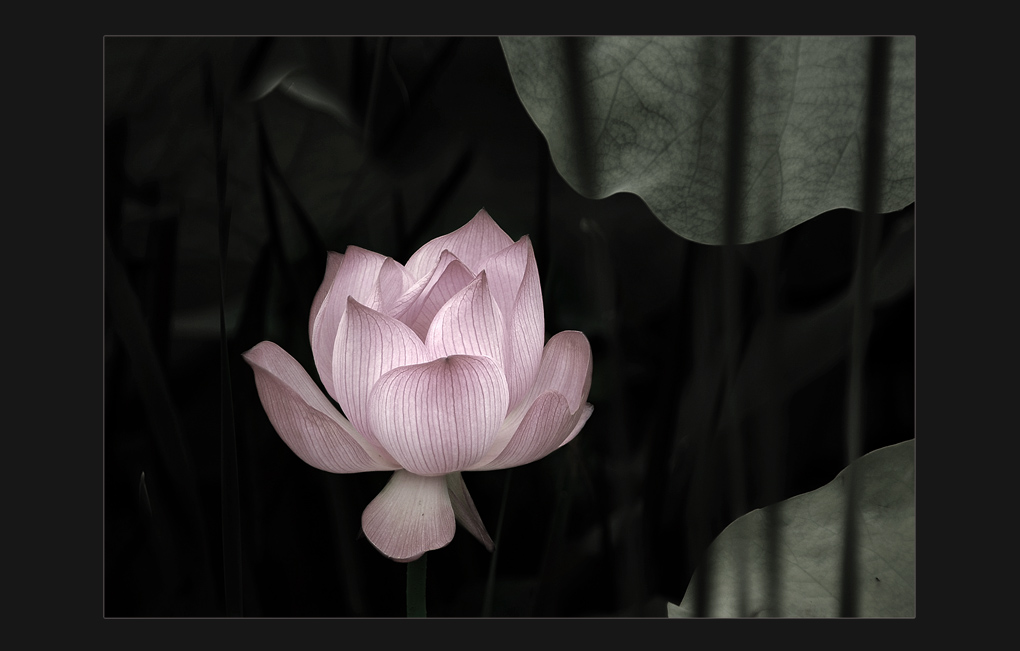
point(57, 525)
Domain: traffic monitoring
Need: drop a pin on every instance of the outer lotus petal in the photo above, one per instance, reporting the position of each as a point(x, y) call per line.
point(469, 323)
point(472, 243)
point(449, 277)
point(464, 509)
point(305, 419)
point(543, 428)
point(585, 415)
point(333, 261)
point(369, 344)
point(412, 515)
point(524, 314)
point(440, 416)
point(566, 368)
point(392, 283)
point(358, 277)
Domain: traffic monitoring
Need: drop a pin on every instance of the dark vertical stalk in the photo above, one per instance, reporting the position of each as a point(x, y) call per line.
point(878, 81)
point(773, 428)
point(269, 171)
point(161, 250)
point(230, 490)
point(350, 575)
point(413, 96)
point(579, 114)
point(771, 431)
point(293, 288)
point(550, 574)
point(230, 498)
point(630, 568)
point(697, 422)
point(382, 51)
point(490, 581)
point(416, 586)
point(731, 420)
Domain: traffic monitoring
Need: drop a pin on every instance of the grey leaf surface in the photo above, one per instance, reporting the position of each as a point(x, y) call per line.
point(656, 125)
point(811, 543)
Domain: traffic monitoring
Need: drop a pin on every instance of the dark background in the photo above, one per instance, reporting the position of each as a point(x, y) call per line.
point(398, 152)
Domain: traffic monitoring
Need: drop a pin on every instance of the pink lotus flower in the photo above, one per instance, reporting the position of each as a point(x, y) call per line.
point(439, 366)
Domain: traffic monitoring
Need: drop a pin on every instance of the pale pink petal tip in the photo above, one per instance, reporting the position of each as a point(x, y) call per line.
point(333, 260)
point(412, 515)
point(472, 243)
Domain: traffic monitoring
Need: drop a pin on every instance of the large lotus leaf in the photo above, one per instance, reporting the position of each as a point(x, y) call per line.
point(810, 552)
point(656, 123)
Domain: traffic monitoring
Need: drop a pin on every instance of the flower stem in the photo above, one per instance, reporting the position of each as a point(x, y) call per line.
point(416, 587)
point(490, 583)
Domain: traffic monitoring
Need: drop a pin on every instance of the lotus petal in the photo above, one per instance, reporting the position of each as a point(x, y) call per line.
point(469, 323)
point(464, 509)
point(542, 430)
point(305, 419)
point(565, 371)
point(412, 515)
point(514, 283)
point(566, 368)
point(393, 281)
point(472, 243)
point(449, 277)
point(369, 344)
point(440, 416)
point(356, 277)
point(333, 260)
point(585, 415)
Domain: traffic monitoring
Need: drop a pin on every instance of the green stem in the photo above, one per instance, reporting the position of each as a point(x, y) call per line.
point(416, 587)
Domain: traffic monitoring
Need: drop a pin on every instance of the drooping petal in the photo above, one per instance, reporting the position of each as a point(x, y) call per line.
point(305, 419)
point(465, 511)
point(542, 430)
point(524, 315)
point(440, 416)
point(412, 515)
point(472, 243)
point(417, 310)
point(357, 277)
point(333, 260)
point(469, 323)
point(369, 344)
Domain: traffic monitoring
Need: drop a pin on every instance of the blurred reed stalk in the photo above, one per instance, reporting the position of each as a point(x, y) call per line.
point(630, 572)
point(230, 497)
point(731, 419)
point(382, 53)
point(868, 231)
point(490, 581)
